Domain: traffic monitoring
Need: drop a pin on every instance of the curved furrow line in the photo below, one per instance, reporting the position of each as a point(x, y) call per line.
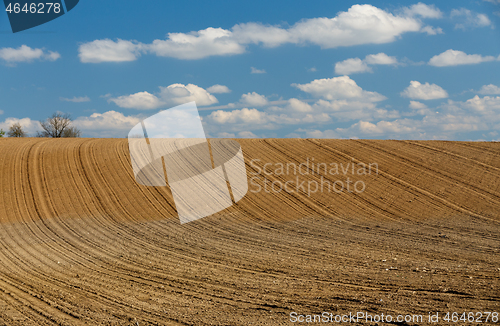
point(17, 264)
point(359, 201)
point(443, 176)
point(311, 203)
point(90, 204)
point(487, 147)
point(162, 195)
point(430, 195)
point(19, 234)
point(24, 307)
point(439, 150)
point(149, 275)
point(78, 235)
point(115, 300)
point(140, 271)
point(387, 194)
point(255, 200)
point(119, 212)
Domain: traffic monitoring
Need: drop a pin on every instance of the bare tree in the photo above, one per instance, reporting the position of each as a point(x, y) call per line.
point(16, 130)
point(71, 132)
point(57, 126)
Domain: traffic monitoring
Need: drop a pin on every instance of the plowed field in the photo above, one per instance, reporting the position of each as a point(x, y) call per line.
point(81, 243)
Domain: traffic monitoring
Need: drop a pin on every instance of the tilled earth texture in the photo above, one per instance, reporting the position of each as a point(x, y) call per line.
point(81, 243)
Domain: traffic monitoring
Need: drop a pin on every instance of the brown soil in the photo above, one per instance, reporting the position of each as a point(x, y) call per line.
point(82, 244)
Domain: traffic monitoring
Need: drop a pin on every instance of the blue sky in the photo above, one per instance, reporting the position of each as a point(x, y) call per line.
point(326, 69)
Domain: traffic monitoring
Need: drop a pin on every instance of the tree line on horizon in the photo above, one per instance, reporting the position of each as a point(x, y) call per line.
point(56, 126)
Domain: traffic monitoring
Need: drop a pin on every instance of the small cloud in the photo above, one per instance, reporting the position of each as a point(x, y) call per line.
point(468, 19)
point(415, 105)
point(419, 108)
point(253, 99)
point(140, 101)
point(257, 71)
point(197, 44)
point(247, 134)
point(351, 66)
point(432, 30)
point(109, 51)
point(107, 124)
point(313, 69)
point(356, 65)
point(426, 91)
point(489, 89)
point(218, 89)
point(325, 134)
point(243, 116)
point(174, 94)
point(75, 99)
point(30, 126)
point(380, 59)
point(339, 88)
point(26, 54)
point(226, 135)
point(455, 58)
point(423, 10)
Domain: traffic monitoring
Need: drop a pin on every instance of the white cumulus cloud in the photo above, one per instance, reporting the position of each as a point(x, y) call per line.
point(360, 24)
point(197, 45)
point(426, 91)
point(29, 126)
point(253, 99)
point(416, 105)
point(315, 133)
point(218, 89)
point(109, 51)
point(397, 127)
point(245, 115)
point(468, 19)
point(140, 101)
point(380, 59)
point(454, 58)
point(356, 65)
point(174, 94)
point(107, 124)
point(24, 53)
point(489, 89)
point(339, 88)
point(423, 10)
point(180, 94)
point(432, 30)
point(351, 66)
point(247, 134)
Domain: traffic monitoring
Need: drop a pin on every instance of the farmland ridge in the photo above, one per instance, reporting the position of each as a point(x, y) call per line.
point(81, 243)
